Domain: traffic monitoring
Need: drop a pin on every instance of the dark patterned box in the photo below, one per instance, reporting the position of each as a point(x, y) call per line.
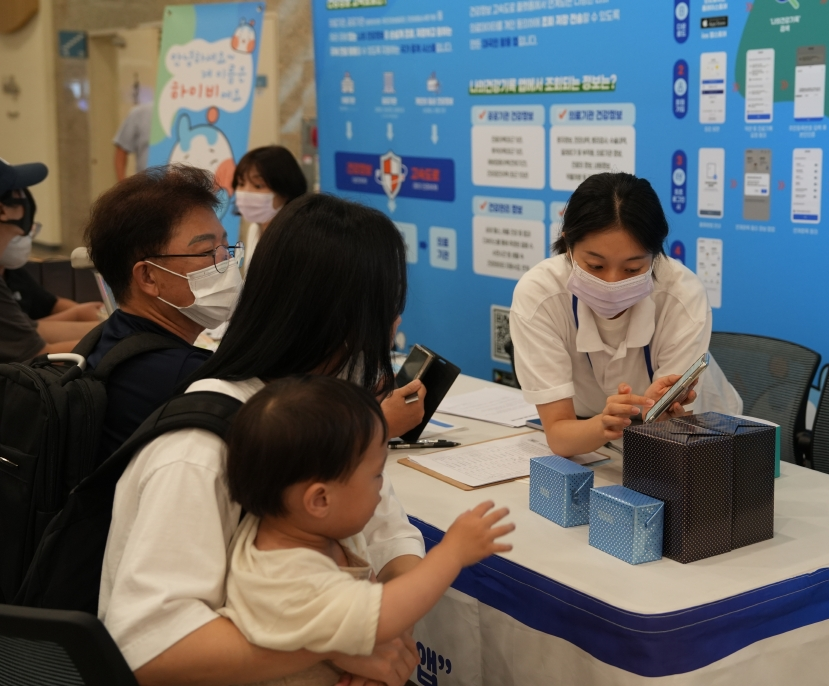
point(752, 502)
point(688, 468)
point(716, 476)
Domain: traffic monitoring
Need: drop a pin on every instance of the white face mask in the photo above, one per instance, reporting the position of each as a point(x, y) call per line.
point(17, 252)
point(605, 298)
point(216, 293)
point(256, 207)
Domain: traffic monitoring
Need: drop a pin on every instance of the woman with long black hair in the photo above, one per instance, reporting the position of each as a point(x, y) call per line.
point(323, 295)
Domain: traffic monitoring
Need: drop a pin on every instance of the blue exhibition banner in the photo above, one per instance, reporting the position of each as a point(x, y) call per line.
point(503, 108)
point(204, 91)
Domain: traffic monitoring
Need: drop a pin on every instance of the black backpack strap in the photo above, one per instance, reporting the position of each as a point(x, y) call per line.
point(66, 570)
point(206, 410)
point(135, 344)
point(87, 344)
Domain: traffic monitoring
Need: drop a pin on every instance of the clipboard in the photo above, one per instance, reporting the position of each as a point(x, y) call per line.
point(406, 462)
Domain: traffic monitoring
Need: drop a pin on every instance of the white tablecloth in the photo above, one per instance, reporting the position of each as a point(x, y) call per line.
point(555, 610)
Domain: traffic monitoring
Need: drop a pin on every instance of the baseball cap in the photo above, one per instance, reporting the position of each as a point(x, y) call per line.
point(14, 176)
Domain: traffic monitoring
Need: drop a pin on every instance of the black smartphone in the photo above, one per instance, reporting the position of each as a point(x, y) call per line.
point(438, 379)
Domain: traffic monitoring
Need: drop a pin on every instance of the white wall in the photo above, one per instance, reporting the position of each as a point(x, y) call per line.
point(28, 124)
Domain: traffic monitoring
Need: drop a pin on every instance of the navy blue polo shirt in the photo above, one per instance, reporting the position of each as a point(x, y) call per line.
point(139, 386)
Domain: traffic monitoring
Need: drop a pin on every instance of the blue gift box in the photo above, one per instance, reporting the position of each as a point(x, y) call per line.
point(626, 524)
point(560, 490)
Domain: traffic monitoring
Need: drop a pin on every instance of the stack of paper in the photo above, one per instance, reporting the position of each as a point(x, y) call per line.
point(488, 462)
point(491, 462)
point(496, 405)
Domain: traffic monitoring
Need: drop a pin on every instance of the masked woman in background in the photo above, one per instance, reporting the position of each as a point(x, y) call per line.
point(266, 179)
point(605, 327)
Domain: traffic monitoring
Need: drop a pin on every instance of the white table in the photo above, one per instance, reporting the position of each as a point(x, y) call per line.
point(554, 610)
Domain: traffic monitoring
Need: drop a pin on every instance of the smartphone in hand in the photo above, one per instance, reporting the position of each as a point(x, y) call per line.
point(415, 366)
point(678, 391)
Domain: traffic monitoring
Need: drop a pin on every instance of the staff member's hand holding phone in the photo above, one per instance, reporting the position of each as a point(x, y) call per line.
point(664, 384)
point(620, 408)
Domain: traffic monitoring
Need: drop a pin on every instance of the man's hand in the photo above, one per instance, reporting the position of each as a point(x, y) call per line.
point(390, 664)
point(400, 415)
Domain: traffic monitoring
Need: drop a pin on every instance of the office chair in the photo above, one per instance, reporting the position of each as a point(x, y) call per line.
point(773, 378)
point(58, 648)
point(815, 443)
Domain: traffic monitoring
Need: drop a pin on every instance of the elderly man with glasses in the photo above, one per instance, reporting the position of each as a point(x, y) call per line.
point(156, 241)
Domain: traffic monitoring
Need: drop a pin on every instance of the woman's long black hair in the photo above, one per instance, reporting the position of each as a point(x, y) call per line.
point(323, 291)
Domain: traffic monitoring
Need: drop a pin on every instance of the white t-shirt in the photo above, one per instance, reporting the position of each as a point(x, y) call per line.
point(299, 598)
point(551, 354)
point(165, 563)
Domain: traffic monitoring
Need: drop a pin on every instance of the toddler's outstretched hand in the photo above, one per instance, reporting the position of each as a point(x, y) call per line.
point(472, 535)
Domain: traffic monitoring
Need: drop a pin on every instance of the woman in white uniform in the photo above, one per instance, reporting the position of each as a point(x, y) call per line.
point(605, 327)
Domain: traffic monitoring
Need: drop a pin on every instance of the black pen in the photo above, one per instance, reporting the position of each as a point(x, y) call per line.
point(423, 444)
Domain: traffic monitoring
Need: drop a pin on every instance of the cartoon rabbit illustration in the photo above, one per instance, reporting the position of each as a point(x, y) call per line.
point(206, 147)
point(244, 37)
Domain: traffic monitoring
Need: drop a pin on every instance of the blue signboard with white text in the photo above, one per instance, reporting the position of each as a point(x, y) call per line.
point(470, 124)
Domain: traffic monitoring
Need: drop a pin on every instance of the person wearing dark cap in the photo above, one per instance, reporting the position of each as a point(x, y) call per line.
point(20, 337)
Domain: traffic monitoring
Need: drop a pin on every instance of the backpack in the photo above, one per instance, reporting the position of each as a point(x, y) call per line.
point(51, 420)
point(65, 573)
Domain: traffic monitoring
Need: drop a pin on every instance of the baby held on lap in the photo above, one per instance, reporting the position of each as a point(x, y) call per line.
point(305, 461)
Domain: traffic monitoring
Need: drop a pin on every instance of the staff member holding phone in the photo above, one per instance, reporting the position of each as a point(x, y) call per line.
point(604, 328)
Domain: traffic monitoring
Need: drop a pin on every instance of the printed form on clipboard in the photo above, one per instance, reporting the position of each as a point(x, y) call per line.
point(490, 462)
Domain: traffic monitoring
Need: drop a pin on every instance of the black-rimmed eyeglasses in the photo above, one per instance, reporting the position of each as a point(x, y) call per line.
point(221, 254)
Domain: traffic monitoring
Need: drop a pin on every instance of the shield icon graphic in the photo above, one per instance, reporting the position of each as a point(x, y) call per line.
point(390, 176)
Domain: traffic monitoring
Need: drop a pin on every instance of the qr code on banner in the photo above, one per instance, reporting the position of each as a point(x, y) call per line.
point(500, 333)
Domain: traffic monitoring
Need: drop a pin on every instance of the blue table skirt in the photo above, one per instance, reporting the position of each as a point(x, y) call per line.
point(647, 645)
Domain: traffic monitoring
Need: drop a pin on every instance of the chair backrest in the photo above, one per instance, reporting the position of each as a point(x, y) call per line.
point(773, 378)
point(820, 433)
point(58, 648)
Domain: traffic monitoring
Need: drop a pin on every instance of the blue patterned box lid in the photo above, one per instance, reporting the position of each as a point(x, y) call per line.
point(561, 465)
point(627, 496)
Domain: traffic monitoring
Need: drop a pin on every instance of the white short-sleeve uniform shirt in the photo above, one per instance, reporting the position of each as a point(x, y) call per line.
point(556, 359)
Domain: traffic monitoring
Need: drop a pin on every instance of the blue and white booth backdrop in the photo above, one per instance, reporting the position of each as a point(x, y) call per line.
point(471, 123)
point(204, 92)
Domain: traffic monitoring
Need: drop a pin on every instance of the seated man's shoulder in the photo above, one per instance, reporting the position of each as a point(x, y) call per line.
point(19, 337)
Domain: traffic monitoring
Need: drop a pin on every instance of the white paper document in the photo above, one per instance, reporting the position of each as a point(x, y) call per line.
point(489, 462)
point(495, 405)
